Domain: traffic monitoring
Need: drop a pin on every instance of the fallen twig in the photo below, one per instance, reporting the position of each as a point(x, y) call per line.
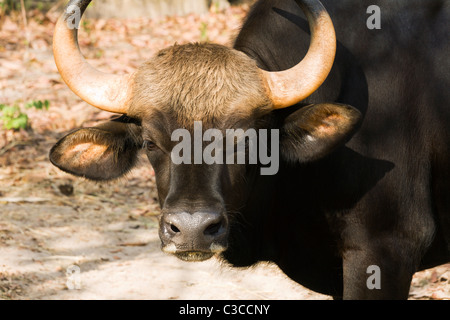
point(25, 23)
point(22, 199)
point(133, 244)
point(12, 145)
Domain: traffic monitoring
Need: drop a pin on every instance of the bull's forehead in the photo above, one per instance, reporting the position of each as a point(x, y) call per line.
point(198, 82)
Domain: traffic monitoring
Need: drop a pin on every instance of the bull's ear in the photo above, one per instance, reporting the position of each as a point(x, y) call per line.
point(104, 152)
point(314, 131)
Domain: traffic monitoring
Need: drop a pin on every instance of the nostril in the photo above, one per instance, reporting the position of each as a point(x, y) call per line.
point(213, 229)
point(174, 228)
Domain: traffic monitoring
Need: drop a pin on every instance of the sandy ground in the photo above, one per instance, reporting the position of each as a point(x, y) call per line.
point(110, 270)
point(114, 249)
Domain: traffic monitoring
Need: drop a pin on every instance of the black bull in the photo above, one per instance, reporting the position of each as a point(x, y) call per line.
point(381, 202)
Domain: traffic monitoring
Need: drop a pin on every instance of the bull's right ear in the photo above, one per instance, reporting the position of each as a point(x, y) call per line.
point(104, 152)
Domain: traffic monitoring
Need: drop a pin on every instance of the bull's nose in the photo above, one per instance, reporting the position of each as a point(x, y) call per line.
point(196, 232)
point(197, 225)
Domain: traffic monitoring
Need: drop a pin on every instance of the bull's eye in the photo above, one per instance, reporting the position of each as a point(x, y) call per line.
point(149, 145)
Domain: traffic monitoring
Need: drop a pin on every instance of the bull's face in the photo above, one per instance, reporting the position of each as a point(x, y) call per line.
point(195, 194)
point(204, 90)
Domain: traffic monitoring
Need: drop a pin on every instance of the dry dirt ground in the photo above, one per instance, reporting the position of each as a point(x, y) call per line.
point(52, 223)
point(111, 235)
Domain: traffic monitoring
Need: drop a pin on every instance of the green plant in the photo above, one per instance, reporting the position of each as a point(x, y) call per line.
point(204, 32)
point(15, 5)
point(39, 105)
point(87, 26)
point(14, 118)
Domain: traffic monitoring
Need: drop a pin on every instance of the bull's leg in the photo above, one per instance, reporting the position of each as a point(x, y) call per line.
point(377, 274)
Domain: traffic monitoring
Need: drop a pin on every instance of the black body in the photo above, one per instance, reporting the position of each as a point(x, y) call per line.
point(384, 198)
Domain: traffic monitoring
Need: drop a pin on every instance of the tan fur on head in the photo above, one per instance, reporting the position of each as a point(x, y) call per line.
point(198, 82)
point(201, 81)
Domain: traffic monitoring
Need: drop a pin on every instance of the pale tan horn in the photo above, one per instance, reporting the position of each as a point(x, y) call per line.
point(291, 86)
point(108, 92)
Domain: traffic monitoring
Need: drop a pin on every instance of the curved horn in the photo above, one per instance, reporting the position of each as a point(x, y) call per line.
point(105, 91)
point(291, 86)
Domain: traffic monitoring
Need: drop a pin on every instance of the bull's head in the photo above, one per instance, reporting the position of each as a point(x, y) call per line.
point(219, 86)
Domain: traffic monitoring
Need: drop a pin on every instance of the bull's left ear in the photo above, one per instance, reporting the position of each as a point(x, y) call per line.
point(314, 131)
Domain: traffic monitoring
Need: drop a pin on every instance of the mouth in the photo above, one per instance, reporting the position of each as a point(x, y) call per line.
point(194, 256)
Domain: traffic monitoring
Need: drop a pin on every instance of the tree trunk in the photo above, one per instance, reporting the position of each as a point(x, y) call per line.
point(145, 8)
